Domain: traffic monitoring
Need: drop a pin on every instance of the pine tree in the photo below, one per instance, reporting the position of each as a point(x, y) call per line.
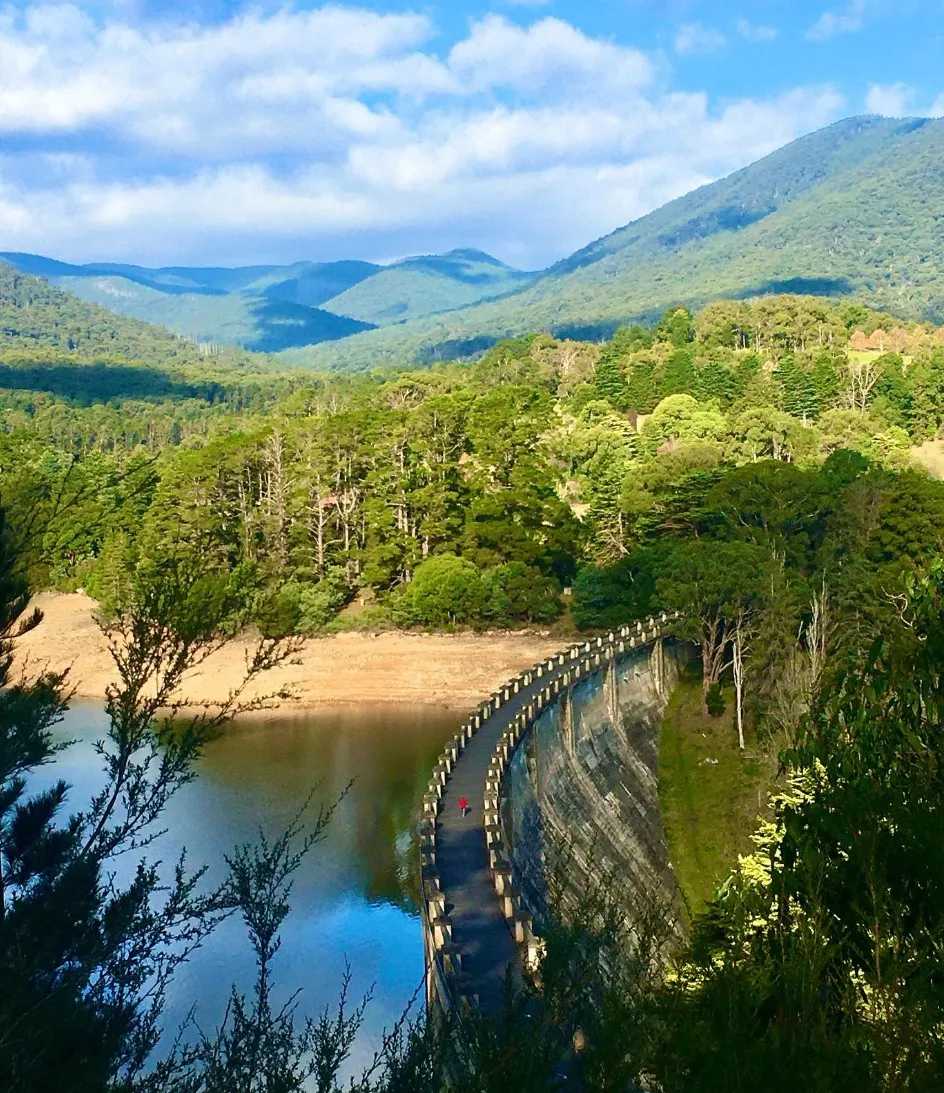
point(799, 391)
point(610, 380)
point(679, 376)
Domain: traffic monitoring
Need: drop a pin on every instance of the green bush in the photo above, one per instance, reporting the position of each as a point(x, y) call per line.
point(610, 596)
point(319, 603)
point(278, 614)
point(522, 593)
point(714, 701)
point(445, 591)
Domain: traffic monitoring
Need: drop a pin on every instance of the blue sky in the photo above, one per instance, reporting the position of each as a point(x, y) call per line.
point(220, 132)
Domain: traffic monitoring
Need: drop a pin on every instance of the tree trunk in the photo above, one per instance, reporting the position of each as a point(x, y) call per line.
point(737, 663)
point(714, 638)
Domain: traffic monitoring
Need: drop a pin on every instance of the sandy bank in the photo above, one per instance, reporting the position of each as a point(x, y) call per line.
point(442, 669)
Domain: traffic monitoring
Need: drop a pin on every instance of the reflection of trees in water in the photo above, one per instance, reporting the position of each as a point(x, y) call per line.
point(386, 819)
point(386, 755)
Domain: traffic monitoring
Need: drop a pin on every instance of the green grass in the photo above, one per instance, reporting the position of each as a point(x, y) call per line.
point(710, 793)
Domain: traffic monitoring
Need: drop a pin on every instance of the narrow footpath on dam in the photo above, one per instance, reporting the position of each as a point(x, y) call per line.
point(478, 930)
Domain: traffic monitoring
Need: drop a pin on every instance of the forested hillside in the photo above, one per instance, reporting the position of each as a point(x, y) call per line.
point(262, 323)
point(749, 465)
point(58, 352)
point(848, 211)
point(476, 494)
point(417, 287)
point(272, 308)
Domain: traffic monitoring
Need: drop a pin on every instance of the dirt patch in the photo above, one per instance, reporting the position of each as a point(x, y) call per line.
point(441, 669)
point(931, 456)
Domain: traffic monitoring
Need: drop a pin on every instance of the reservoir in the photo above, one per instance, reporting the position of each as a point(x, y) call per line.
point(355, 896)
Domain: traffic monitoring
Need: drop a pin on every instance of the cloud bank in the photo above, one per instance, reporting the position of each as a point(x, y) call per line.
point(340, 131)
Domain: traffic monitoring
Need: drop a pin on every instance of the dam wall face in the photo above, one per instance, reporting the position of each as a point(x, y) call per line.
point(580, 797)
point(559, 765)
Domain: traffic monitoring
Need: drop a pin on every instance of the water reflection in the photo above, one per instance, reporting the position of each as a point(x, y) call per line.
point(355, 896)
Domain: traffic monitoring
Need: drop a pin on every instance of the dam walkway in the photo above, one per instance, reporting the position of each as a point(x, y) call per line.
point(476, 933)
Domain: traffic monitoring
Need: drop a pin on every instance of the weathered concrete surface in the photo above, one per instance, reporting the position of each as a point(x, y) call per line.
point(564, 756)
point(585, 780)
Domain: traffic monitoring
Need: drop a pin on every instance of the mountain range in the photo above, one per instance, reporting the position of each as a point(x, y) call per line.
point(853, 210)
point(271, 308)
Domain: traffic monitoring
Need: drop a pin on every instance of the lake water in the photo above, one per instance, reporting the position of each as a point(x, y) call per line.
point(355, 897)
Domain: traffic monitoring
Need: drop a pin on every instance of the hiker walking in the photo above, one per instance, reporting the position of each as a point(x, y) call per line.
point(463, 805)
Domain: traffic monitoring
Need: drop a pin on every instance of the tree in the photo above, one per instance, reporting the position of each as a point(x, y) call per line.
point(445, 591)
point(712, 583)
point(520, 593)
point(678, 374)
point(610, 380)
point(85, 961)
point(823, 942)
point(676, 326)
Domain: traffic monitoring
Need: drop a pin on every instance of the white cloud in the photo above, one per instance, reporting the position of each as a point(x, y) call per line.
point(890, 100)
point(338, 131)
point(831, 23)
point(697, 38)
point(756, 33)
point(937, 108)
point(549, 55)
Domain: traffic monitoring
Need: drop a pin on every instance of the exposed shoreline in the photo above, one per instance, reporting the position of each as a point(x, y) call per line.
point(455, 671)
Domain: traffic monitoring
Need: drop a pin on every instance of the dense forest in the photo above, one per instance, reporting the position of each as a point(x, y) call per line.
point(766, 443)
point(750, 464)
point(272, 308)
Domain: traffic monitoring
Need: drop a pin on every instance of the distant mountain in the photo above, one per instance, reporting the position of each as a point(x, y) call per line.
point(271, 308)
point(263, 308)
point(259, 323)
point(851, 210)
point(416, 287)
point(38, 319)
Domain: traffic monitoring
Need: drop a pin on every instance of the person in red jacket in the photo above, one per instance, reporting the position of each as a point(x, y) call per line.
point(463, 805)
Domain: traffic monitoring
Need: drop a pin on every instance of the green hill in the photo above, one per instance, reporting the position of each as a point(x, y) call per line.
point(259, 323)
point(262, 308)
point(416, 287)
point(852, 210)
point(271, 308)
point(313, 283)
point(39, 320)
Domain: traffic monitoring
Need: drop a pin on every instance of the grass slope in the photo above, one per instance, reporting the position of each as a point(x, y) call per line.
point(851, 210)
point(710, 795)
point(418, 287)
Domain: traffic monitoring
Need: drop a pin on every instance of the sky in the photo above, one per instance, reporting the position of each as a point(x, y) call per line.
point(215, 132)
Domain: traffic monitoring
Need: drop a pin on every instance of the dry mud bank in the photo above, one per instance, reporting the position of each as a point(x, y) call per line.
point(455, 670)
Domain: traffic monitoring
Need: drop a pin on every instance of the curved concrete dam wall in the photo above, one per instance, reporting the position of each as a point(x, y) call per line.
point(580, 795)
point(565, 755)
